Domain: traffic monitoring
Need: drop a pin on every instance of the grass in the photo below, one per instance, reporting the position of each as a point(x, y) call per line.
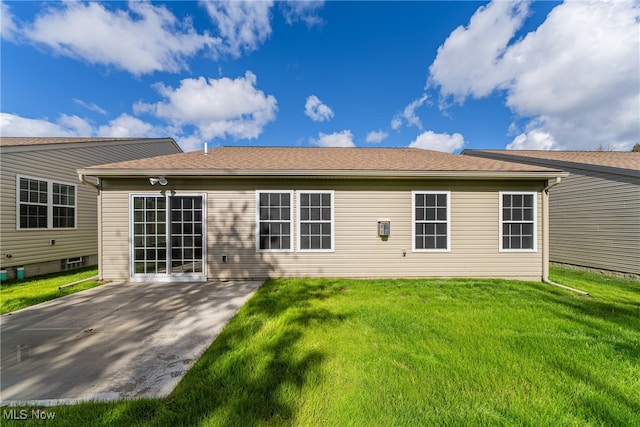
point(329, 352)
point(17, 294)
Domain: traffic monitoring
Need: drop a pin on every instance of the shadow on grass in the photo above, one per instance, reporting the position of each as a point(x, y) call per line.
point(255, 370)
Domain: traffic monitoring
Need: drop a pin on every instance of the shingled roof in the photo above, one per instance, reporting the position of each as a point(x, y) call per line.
point(609, 159)
point(16, 141)
point(290, 161)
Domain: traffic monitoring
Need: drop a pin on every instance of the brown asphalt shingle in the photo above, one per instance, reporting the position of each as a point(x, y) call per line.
point(319, 159)
point(614, 159)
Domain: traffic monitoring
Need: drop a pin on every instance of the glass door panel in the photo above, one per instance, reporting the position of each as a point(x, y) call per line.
point(186, 234)
point(168, 238)
point(149, 235)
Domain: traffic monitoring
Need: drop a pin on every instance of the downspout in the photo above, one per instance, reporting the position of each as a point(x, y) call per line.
point(83, 179)
point(545, 239)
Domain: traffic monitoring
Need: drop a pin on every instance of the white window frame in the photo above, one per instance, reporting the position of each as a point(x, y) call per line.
point(413, 220)
point(299, 221)
point(49, 204)
point(291, 220)
point(534, 221)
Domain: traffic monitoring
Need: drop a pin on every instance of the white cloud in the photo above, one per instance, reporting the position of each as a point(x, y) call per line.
point(217, 107)
point(408, 115)
point(126, 126)
point(576, 78)
point(467, 63)
point(242, 25)
point(316, 110)
point(8, 27)
point(336, 139)
point(14, 125)
point(533, 140)
point(430, 140)
point(305, 11)
point(90, 106)
point(376, 136)
point(143, 39)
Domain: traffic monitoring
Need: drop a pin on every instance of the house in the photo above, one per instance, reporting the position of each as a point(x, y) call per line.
point(257, 212)
point(48, 220)
point(595, 213)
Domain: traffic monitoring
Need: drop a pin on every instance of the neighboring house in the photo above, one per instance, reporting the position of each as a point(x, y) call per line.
point(256, 212)
point(595, 213)
point(48, 218)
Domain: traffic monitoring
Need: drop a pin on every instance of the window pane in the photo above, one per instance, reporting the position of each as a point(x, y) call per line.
point(506, 200)
point(273, 209)
point(442, 199)
point(264, 214)
point(315, 199)
point(516, 214)
point(315, 214)
point(441, 242)
point(431, 214)
point(442, 214)
point(274, 213)
point(527, 200)
point(326, 199)
point(528, 214)
point(431, 200)
point(326, 229)
point(304, 242)
point(304, 228)
point(419, 214)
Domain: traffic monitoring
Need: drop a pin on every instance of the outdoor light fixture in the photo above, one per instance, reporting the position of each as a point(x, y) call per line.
point(161, 180)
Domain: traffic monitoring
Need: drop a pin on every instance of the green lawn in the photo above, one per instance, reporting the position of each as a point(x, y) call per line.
point(17, 294)
point(322, 352)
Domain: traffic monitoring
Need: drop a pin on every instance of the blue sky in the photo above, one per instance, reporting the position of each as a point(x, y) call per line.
point(437, 75)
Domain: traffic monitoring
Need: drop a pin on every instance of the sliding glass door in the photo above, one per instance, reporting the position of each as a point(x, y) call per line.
point(167, 238)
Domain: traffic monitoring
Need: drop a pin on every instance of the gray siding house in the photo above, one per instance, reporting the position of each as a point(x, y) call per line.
point(595, 213)
point(257, 212)
point(48, 219)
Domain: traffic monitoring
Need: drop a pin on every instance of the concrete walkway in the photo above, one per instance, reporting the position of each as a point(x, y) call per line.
point(116, 340)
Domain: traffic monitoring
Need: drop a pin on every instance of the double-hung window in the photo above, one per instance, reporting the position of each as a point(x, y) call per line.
point(316, 221)
point(518, 221)
point(45, 204)
point(431, 221)
point(274, 222)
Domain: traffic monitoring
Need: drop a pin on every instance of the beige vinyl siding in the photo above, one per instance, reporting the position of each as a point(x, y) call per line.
point(595, 221)
point(359, 252)
point(58, 163)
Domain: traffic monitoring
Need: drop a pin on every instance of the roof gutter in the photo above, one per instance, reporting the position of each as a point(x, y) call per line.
point(83, 179)
point(237, 173)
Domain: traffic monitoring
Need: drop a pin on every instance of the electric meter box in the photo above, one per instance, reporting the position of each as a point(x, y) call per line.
point(384, 228)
